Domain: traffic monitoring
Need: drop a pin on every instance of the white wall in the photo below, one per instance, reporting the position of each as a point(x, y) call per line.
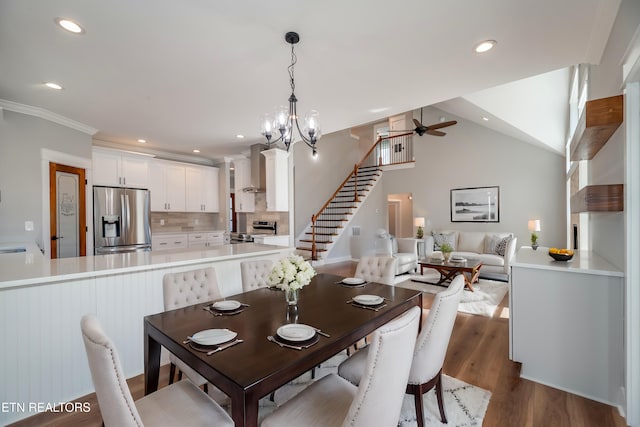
point(315, 180)
point(530, 179)
point(607, 167)
point(21, 139)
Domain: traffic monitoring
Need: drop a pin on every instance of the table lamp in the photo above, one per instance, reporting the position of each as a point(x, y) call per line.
point(419, 222)
point(534, 227)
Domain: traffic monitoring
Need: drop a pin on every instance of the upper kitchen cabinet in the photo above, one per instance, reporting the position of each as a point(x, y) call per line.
point(202, 189)
point(115, 168)
point(277, 179)
point(168, 180)
point(245, 201)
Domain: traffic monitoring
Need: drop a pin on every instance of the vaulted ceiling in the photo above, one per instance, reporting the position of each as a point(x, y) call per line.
point(193, 74)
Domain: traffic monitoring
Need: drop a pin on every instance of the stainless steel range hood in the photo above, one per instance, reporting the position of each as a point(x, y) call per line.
point(258, 173)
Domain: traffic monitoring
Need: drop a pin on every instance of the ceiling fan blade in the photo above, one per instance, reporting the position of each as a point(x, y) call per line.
point(417, 123)
point(435, 132)
point(442, 125)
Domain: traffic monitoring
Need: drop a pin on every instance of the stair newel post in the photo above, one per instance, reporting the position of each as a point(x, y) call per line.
point(313, 238)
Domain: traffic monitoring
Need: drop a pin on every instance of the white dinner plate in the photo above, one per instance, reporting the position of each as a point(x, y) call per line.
point(352, 280)
point(213, 336)
point(226, 305)
point(368, 299)
point(296, 332)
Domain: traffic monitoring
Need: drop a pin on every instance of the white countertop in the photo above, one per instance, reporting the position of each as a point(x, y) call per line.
point(31, 268)
point(585, 262)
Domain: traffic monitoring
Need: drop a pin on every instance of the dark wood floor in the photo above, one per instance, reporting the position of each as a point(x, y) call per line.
point(477, 354)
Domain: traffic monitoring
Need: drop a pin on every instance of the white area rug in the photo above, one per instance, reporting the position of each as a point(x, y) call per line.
point(465, 404)
point(483, 301)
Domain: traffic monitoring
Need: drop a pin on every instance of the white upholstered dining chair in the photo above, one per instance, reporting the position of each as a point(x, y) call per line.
point(255, 274)
point(181, 403)
point(429, 352)
point(381, 269)
point(333, 401)
point(183, 289)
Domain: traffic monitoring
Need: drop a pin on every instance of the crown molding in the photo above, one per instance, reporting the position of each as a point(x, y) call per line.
point(46, 115)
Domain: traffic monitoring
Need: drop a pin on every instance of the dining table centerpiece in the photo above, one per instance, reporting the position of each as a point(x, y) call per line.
point(291, 274)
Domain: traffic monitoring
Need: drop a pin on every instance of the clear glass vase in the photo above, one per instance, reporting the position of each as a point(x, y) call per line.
point(291, 295)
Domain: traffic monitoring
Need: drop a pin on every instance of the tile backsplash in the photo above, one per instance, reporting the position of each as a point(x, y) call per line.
point(183, 221)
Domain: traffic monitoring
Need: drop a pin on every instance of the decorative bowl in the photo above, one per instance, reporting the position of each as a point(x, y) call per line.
point(561, 256)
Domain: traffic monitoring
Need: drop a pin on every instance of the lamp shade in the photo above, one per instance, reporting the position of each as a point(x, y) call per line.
point(534, 225)
point(418, 221)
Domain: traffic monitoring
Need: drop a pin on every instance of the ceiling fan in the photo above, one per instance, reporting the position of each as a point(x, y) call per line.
point(431, 129)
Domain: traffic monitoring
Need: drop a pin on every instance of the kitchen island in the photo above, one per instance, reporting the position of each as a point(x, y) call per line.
point(42, 359)
point(566, 323)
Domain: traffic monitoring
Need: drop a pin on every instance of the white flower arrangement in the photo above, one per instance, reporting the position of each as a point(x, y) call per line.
point(291, 273)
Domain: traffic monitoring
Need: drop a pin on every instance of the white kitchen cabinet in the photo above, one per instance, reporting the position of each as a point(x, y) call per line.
point(167, 185)
point(115, 168)
point(202, 189)
point(245, 202)
point(206, 239)
point(277, 173)
point(165, 242)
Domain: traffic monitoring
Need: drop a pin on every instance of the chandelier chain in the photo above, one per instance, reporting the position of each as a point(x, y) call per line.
point(294, 59)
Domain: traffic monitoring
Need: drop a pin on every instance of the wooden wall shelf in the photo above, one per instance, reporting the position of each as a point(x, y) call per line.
point(598, 198)
point(599, 120)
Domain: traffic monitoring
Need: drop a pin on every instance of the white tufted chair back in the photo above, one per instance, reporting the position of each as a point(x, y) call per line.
point(116, 404)
point(189, 287)
point(381, 269)
point(433, 340)
point(379, 397)
point(255, 274)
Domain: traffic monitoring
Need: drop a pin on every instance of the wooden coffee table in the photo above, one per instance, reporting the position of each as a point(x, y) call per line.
point(450, 269)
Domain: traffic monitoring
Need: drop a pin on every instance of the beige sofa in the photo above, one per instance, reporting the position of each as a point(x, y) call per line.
point(496, 250)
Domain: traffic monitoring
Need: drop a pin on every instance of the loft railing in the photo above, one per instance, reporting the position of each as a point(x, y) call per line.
point(385, 151)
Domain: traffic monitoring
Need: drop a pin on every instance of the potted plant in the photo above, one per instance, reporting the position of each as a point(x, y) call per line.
point(534, 240)
point(446, 250)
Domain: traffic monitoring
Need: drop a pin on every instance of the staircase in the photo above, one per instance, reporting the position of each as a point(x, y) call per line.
point(328, 224)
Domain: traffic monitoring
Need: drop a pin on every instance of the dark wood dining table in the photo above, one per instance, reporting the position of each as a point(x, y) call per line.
point(254, 368)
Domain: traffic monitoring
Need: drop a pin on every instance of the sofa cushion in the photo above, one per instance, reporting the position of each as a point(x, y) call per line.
point(471, 241)
point(492, 240)
point(442, 238)
point(404, 258)
point(491, 259)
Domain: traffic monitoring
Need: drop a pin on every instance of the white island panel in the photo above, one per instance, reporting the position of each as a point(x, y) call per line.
point(42, 358)
point(566, 322)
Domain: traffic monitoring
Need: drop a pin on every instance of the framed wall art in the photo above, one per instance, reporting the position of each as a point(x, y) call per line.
point(479, 204)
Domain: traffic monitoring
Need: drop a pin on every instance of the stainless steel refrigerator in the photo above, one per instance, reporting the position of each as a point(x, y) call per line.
point(121, 220)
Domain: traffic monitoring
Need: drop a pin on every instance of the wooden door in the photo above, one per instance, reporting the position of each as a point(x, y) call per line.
point(67, 211)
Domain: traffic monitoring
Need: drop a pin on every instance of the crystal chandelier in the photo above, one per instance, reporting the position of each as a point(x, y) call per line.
point(286, 119)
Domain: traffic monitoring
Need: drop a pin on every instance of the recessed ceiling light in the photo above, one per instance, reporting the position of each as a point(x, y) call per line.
point(486, 119)
point(196, 151)
point(69, 25)
point(142, 141)
point(485, 46)
point(52, 85)
point(378, 110)
point(239, 136)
